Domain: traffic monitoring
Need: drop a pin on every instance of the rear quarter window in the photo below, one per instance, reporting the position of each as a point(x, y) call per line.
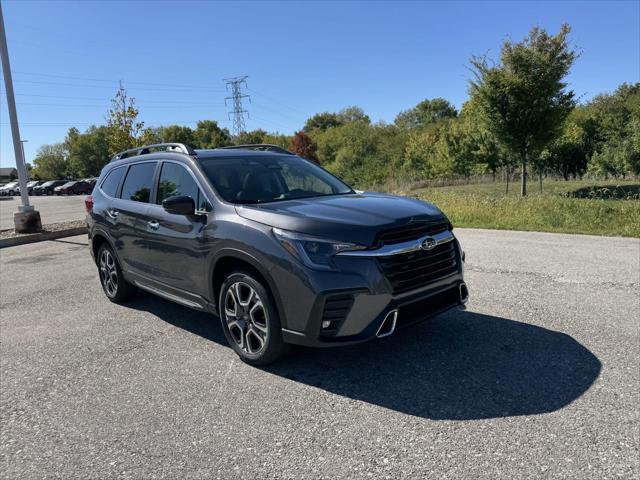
point(110, 184)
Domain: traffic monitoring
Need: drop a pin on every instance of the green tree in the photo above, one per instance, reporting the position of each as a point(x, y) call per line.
point(569, 154)
point(122, 123)
point(426, 112)
point(151, 136)
point(525, 98)
point(353, 114)
point(611, 123)
point(51, 162)
point(209, 135)
point(249, 138)
point(178, 134)
point(278, 139)
point(322, 121)
point(89, 152)
point(421, 156)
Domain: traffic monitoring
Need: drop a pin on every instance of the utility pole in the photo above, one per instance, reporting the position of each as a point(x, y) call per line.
point(235, 85)
point(22, 142)
point(26, 219)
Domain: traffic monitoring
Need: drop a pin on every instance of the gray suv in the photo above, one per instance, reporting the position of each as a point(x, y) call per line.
point(280, 249)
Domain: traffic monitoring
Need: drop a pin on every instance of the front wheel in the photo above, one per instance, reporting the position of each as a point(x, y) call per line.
point(250, 320)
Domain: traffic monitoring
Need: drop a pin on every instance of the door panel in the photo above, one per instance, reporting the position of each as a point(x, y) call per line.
point(130, 213)
point(176, 249)
point(128, 217)
point(175, 243)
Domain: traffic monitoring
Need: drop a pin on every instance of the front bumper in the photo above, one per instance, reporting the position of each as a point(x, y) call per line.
point(362, 299)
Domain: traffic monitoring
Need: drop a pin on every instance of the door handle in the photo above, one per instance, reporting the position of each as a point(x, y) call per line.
point(153, 225)
point(112, 213)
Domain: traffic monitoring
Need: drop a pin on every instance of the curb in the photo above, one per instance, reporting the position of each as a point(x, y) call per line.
point(41, 237)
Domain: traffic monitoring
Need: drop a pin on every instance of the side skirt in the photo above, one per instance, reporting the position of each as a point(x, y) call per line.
point(182, 297)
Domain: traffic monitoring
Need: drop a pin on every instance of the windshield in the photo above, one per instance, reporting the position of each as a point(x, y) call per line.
point(270, 179)
point(10, 184)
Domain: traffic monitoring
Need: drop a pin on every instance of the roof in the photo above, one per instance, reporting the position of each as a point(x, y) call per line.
point(8, 171)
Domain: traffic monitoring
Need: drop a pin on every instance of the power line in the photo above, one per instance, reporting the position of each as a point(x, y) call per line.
point(105, 106)
point(115, 81)
point(236, 95)
point(107, 99)
point(146, 123)
point(111, 87)
point(278, 102)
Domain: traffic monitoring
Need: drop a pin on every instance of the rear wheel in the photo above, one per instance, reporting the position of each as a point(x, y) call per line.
point(250, 321)
point(114, 285)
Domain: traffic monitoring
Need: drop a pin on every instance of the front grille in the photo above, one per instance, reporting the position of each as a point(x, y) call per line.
point(408, 271)
point(336, 309)
point(411, 232)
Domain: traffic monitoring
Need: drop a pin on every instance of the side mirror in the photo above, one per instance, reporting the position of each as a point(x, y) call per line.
point(179, 205)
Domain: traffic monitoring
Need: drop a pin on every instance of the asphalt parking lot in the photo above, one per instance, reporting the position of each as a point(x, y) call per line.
point(538, 378)
point(52, 209)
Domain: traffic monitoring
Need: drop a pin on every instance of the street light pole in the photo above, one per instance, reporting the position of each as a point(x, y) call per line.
point(22, 142)
point(26, 219)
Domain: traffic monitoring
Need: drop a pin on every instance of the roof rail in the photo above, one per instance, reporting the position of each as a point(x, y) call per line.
point(266, 147)
point(145, 149)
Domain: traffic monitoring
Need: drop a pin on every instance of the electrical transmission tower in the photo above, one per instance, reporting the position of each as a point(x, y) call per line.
point(235, 86)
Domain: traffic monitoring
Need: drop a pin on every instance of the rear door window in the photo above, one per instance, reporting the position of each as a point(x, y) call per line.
point(138, 182)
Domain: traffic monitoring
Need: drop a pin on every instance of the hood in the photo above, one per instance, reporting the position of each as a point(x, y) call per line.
point(351, 218)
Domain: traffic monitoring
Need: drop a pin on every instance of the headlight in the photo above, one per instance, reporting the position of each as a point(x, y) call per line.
point(314, 252)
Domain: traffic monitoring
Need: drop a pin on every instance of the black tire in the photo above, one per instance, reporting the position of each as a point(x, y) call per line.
point(273, 347)
point(115, 286)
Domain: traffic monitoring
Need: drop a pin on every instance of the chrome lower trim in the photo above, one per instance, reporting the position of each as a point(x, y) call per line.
point(168, 296)
point(394, 318)
point(398, 248)
point(293, 332)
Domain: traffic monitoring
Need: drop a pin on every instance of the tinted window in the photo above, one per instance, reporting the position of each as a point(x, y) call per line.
point(269, 179)
point(137, 184)
point(110, 184)
point(176, 180)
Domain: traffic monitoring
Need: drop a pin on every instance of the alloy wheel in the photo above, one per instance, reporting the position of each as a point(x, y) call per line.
point(108, 273)
point(246, 318)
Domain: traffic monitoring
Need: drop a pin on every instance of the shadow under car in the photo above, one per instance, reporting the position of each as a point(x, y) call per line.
point(460, 365)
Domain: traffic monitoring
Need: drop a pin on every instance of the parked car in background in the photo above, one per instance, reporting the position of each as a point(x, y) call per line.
point(10, 189)
point(30, 186)
point(47, 187)
point(74, 188)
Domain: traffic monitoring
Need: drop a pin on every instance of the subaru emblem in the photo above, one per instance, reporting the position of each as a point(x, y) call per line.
point(428, 243)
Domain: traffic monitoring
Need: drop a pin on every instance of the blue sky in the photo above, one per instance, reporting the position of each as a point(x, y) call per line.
point(301, 57)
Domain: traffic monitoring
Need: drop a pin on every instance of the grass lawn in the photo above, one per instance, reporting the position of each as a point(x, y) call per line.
point(488, 206)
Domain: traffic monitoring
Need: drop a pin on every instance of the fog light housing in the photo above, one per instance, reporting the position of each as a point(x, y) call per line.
point(326, 324)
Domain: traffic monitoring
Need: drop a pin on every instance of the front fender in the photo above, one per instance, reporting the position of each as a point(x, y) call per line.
point(230, 252)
